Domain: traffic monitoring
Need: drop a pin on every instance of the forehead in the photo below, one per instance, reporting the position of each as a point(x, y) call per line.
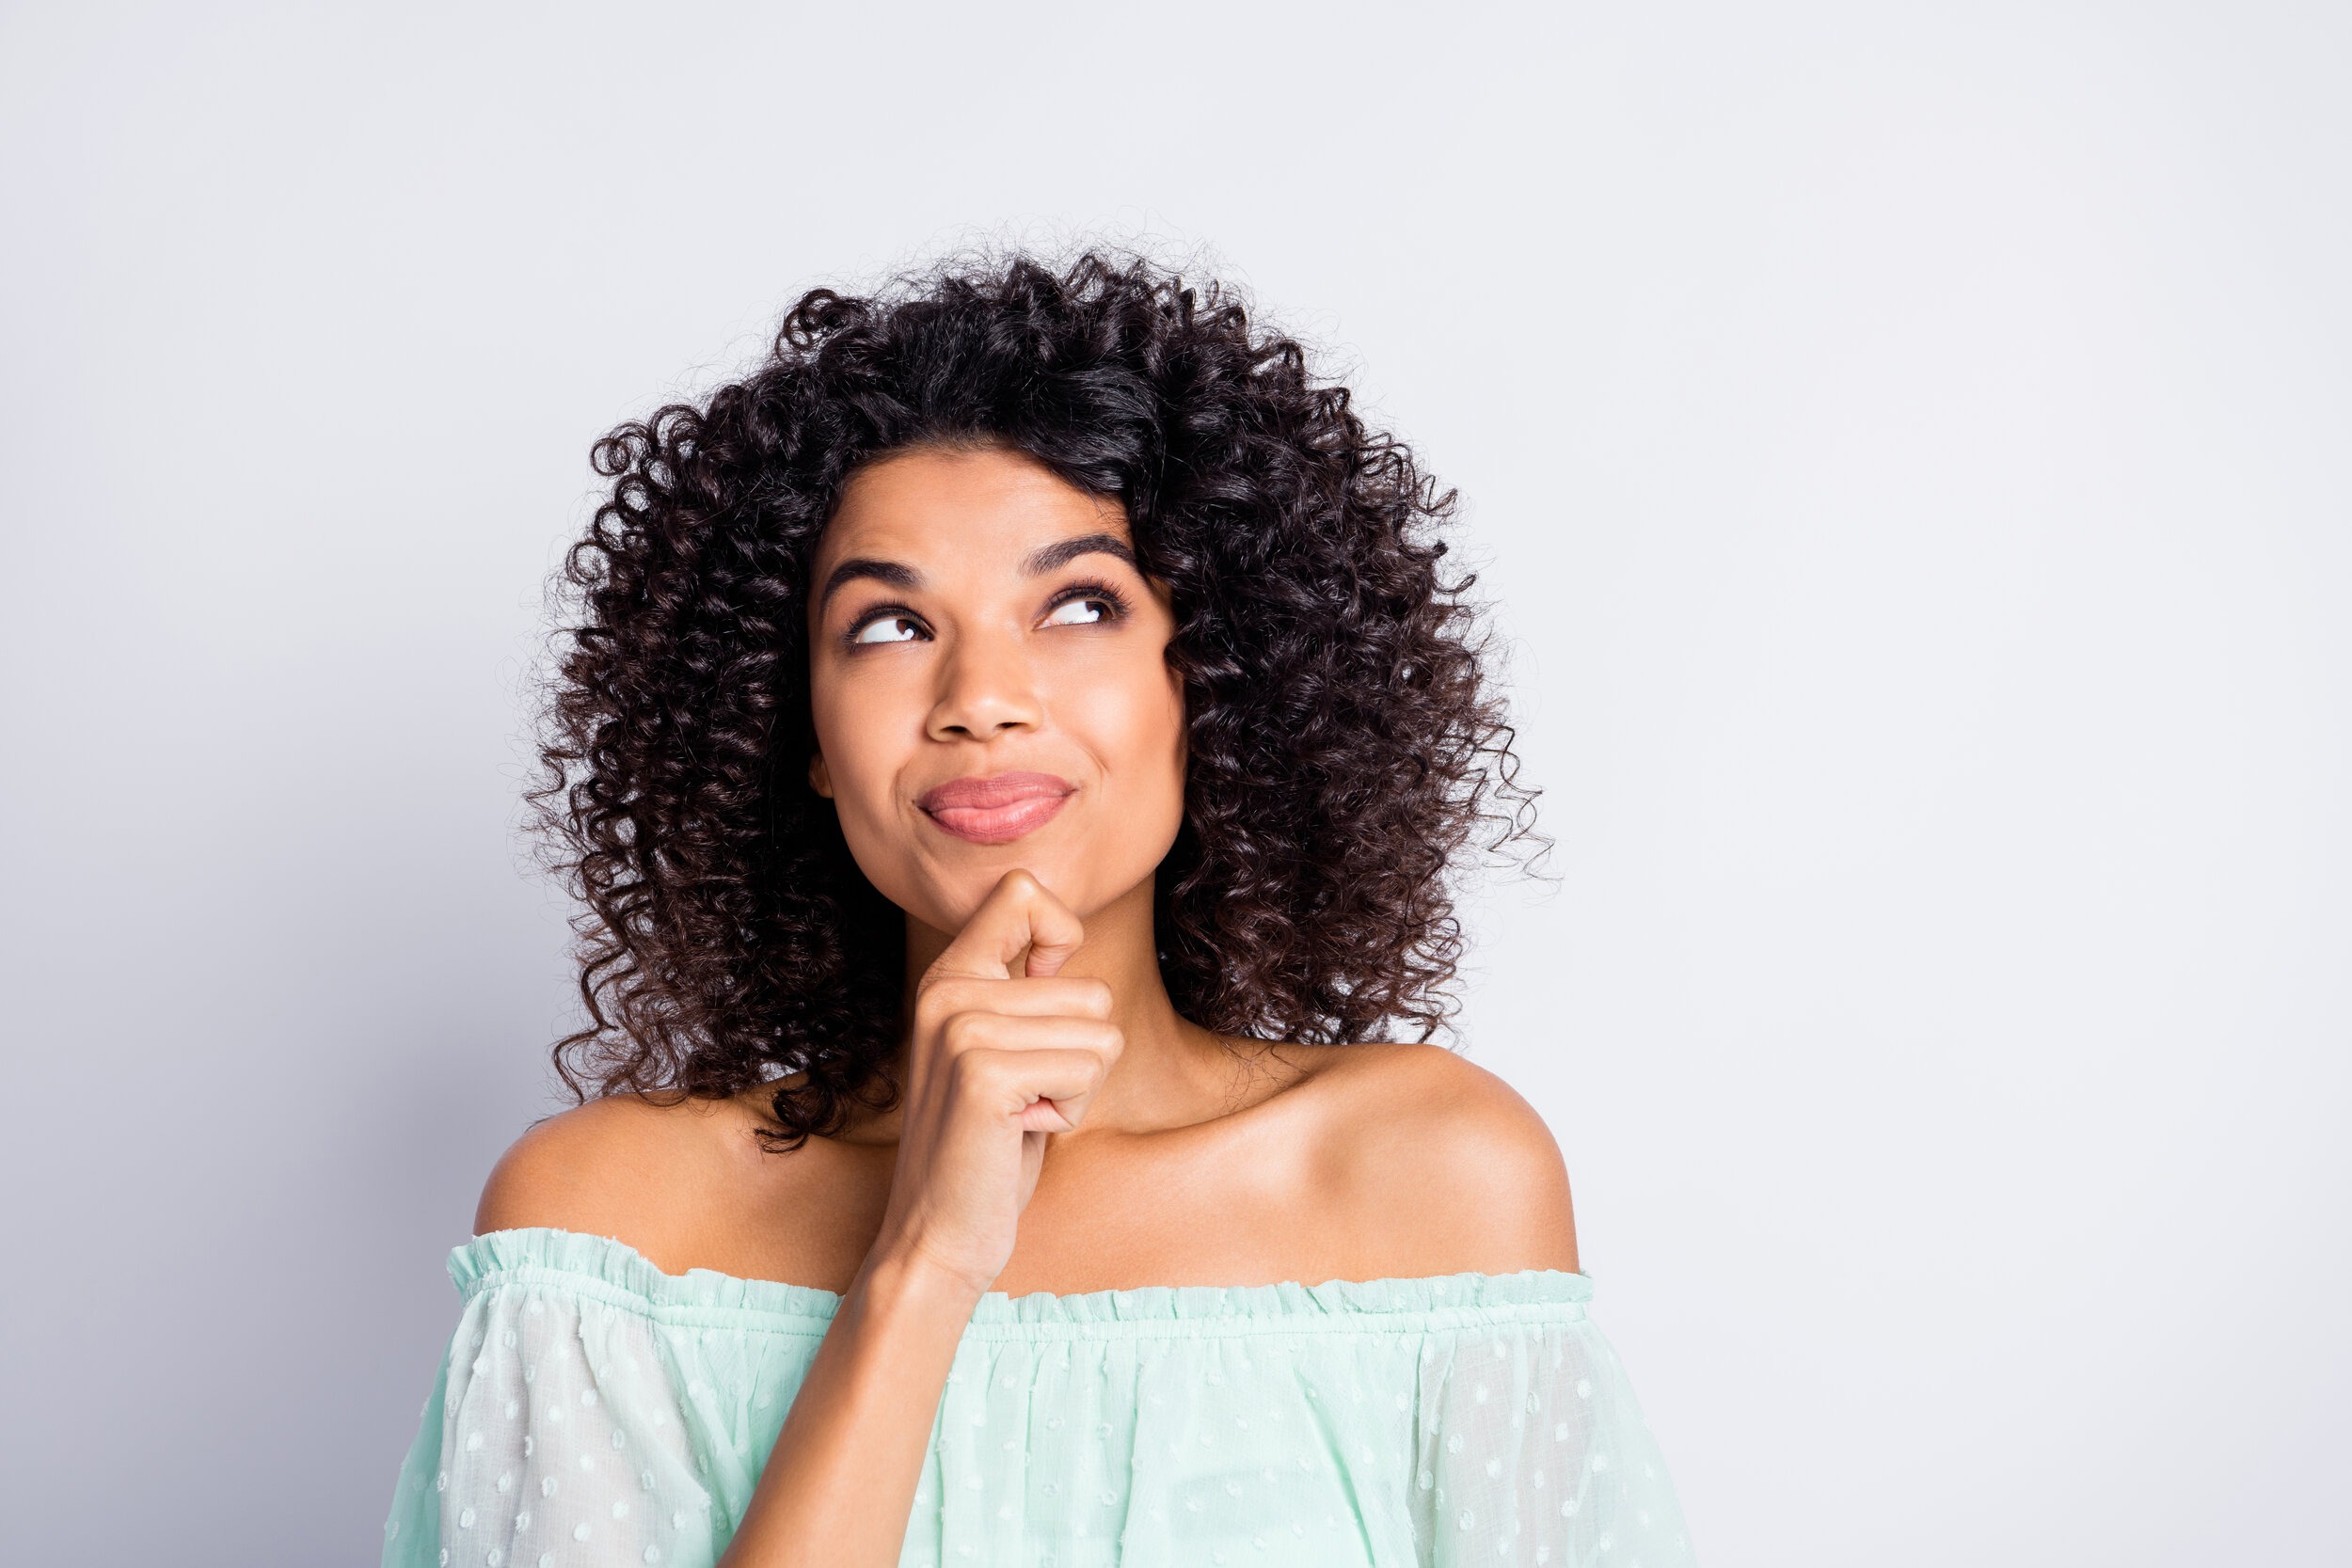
point(934, 504)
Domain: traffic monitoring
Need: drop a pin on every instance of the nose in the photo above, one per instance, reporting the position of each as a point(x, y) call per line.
point(986, 689)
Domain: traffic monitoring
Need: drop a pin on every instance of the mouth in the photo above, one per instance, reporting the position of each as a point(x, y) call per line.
point(998, 808)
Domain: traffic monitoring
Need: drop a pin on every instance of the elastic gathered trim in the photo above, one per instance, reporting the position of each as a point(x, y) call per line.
point(611, 1271)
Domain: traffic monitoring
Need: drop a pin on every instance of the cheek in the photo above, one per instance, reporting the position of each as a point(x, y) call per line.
point(857, 732)
point(1136, 724)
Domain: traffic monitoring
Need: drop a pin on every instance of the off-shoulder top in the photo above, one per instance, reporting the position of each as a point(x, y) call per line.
point(591, 1409)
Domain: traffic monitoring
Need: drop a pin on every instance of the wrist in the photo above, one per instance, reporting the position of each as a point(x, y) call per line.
point(909, 1282)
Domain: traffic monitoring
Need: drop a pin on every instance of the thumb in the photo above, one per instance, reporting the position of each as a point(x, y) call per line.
point(1020, 914)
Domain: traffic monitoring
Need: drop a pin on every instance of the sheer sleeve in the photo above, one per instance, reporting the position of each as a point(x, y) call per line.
point(553, 1436)
point(1532, 1450)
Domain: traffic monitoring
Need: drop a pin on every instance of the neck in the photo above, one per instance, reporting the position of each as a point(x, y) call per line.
point(1170, 1072)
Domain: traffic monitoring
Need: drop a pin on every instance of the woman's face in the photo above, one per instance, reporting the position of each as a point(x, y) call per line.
point(988, 681)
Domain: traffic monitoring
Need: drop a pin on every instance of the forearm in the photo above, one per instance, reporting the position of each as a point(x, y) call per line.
point(839, 1484)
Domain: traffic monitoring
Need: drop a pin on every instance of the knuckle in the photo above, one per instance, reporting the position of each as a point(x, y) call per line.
point(940, 996)
point(972, 1072)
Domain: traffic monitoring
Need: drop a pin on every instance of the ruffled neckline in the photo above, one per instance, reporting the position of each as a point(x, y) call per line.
point(545, 1255)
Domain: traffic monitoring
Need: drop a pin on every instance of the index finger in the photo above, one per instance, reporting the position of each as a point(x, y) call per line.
point(1020, 913)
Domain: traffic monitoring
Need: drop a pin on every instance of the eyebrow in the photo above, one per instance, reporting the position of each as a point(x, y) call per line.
point(1041, 560)
point(859, 567)
point(1062, 552)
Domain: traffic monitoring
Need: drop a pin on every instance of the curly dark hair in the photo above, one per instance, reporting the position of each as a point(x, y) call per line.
point(1343, 743)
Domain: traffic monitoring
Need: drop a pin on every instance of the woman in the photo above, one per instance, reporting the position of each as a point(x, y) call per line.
point(1011, 753)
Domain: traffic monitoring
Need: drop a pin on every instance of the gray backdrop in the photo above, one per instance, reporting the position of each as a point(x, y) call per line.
point(1909, 444)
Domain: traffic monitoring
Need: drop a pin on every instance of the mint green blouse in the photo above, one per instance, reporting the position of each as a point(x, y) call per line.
point(593, 1410)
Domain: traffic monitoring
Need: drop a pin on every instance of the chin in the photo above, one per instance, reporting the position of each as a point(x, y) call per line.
point(948, 897)
point(965, 893)
point(942, 884)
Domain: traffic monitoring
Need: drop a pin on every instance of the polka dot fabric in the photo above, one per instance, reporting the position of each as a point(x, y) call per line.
point(592, 1410)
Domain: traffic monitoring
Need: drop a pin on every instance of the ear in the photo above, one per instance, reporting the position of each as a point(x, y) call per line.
point(819, 780)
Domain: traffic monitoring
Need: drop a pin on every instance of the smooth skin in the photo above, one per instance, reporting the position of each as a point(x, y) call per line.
point(1064, 1129)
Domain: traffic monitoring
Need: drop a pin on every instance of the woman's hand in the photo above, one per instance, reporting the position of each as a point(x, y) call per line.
point(996, 1062)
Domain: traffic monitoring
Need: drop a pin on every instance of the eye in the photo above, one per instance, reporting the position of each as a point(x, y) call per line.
point(888, 628)
point(1083, 605)
point(1077, 612)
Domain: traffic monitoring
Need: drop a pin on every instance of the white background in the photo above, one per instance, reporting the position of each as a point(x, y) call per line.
point(1909, 445)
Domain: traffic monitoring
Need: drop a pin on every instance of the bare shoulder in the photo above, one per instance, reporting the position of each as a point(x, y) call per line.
point(1446, 1167)
point(627, 1166)
point(688, 1185)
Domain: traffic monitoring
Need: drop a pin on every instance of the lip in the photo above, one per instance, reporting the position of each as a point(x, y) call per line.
point(996, 809)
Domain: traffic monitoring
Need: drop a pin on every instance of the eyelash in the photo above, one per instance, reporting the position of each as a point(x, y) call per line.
point(1111, 598)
